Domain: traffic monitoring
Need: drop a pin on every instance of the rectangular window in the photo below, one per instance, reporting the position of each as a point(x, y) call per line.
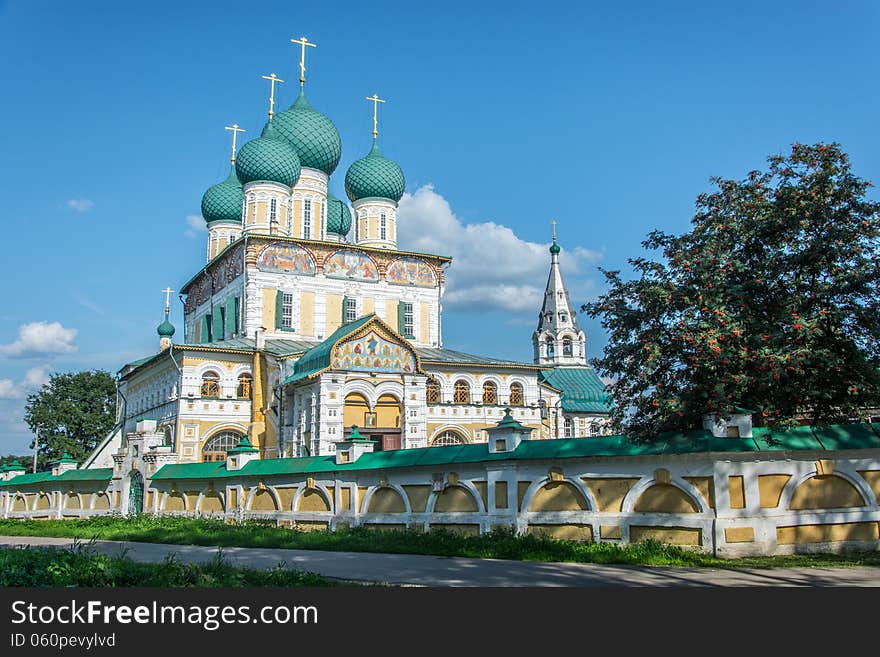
point(408, 322)
point(307, 219)
point(290, 219)
point(273, 211)
point(209, 326)
point(323, 220)
point(350, 313)
point(287, 310)
point(382, 226)
point(222, 323)
point(237, 312)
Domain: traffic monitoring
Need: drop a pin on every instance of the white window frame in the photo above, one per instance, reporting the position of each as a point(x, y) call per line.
point(409, 323)
point(350, 310)
point(287, 310)
point(383, 227)
point(307, 218)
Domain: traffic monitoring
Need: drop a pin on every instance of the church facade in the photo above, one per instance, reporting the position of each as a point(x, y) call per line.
point(308, 320)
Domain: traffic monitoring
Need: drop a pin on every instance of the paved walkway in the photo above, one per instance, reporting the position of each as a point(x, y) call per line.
point(421, 570)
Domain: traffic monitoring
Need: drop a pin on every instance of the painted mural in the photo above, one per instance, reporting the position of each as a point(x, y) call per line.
point(410, 271)
point(372, 353)
point(286, 258)
point(351, 265)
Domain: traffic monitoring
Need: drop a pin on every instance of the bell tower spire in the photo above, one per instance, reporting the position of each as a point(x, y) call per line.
point(558, 339)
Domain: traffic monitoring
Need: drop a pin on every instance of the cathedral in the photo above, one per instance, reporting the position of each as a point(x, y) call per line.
point(307, 320)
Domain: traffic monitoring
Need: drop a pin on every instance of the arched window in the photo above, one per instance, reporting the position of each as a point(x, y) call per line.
point(567, 427)
point(447, 439)
point(217, 445)
point(210, 384)
point(550, 347)
point(245, 386)
point(490, 393)
point(566, 346)
point(432, 391)
point(462, 392)
point(516, 394)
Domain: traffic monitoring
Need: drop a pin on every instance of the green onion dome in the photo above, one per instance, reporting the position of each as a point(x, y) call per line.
point(312, 135)
point(268, 158)
point(223, 201)
point(338, 216)
point(374, 176)
point(165, 329)
point(554, 248)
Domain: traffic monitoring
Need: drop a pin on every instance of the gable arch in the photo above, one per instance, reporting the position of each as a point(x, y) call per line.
point(257, 491)
point(858, 484)
point(211, 366)
point(321, 491)
point(535, 489)
point(690, 492)
point(377, 493)
point(462, 432)
point(465, 486)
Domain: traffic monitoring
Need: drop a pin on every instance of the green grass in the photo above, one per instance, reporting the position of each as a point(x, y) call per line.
point(500, 544)
point(81, 566)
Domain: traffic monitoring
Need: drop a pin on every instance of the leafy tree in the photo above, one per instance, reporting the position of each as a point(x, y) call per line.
point(74, 411)
point(770, 302)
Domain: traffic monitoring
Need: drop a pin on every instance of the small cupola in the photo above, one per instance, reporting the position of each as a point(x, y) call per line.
point(242, 454)
point(507, 434)
point(11, 469)
point(65, 463)
point(736, 425)
point(350, 449)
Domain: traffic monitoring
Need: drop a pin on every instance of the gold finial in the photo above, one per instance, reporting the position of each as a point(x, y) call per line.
point(273, 78)
point(235, 130)
point(168, 292)
point(375, 100)
point(553, 223)
point(303, 41)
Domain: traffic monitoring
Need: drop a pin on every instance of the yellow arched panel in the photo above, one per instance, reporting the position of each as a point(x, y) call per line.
point(72, 502)
point(387, 411)
point(665, 498)
point(263, 501)
point(455, 499)
point(19, 504)
point(825, 492)
point(356, 406)
point(212, 503)
point(312, 500)
point(386, 500)
point(174, 502)
point(559, 496)
point(43, 502)
point(102, 502)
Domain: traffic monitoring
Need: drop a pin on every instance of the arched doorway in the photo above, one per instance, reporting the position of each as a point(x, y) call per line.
point(135, 493)
point(380, 422)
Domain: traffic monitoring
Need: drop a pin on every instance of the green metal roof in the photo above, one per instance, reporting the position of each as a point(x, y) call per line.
point(97, 474)
point(374, 176)
point(268, 158)
point(224, 201)
point(434, 355)
point(864, 436)
point(582, 389)
point(318, 357)
point(311, 134)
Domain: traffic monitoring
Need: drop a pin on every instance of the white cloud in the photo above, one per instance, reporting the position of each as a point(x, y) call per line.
point(493, 268)
point(196, 225)
point(34, 379)
point(80, 204)
point(41, 339)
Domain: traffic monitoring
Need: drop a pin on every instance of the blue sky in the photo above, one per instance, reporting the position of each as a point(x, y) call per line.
point(609, 119)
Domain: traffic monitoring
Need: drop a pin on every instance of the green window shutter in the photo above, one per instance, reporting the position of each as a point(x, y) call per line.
point(206, 329)
point(279, 309)
point(401, 313)
point(217, 333)
point(344, 306)
point(231, 314)
point(237, 314)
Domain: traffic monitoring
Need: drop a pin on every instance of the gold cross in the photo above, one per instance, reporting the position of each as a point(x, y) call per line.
point(274, 78)
point(235, 130)
point(167, 292)
point(375, 100)
point(303, 41)
point(553, 223)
